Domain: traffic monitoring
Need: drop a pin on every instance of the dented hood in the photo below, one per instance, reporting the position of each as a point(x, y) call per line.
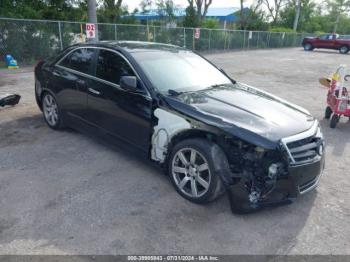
point(245, 111)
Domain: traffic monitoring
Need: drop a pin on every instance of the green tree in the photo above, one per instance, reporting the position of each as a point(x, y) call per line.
point(242, 16)
point(274, 9)
point(338, 8)
point(255, 17)
point(210, 23)
point(202, 7)
point(166, 9)
point(190, 19)
point(288, 14)
point(63, 10)
point(21, 8)
point(146, 6)
point(111, 10)
point(44, 9)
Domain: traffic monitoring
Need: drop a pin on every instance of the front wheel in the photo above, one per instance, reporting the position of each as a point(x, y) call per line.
point(51, 112)
point(308, 47)
point(191, 169)
point(344, 49)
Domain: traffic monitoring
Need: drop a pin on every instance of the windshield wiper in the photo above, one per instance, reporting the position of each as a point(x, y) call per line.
point(213, 86)
point(173, 92)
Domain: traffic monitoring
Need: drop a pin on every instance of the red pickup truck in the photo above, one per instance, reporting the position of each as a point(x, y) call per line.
point(328, 41)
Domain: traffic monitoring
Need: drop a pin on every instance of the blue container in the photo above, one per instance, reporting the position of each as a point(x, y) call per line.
point(11, 62)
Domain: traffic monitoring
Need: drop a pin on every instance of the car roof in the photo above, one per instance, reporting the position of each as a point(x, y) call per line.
point(135, 46)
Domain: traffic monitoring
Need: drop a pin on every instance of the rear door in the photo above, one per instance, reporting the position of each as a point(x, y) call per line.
point(121, 113)
point(71, 78)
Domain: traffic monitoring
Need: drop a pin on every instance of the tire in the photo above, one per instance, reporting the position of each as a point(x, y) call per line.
point(196, 179)
point(308, 47)
point(344, 49)
point(328, 112)
point(51, 112)
point(334, 120)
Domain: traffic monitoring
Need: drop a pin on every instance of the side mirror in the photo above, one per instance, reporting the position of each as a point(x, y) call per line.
point(129, 83)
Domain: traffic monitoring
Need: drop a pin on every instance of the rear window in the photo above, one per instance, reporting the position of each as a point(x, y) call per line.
point(79, 60)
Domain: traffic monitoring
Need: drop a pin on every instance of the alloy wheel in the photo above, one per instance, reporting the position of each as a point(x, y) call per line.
point(191, 172)
point(50, 110)
point(343, 50)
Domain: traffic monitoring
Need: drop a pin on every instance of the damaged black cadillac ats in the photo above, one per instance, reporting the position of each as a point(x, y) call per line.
point(210, 133)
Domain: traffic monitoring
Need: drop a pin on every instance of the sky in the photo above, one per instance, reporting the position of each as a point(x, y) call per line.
point(132, 4)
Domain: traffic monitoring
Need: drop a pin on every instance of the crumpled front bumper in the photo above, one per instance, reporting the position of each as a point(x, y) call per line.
point(299, 180)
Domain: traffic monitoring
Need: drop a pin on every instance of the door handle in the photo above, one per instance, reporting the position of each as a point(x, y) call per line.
point(94, 91)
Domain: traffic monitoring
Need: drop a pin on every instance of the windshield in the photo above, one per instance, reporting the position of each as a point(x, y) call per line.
point(179, 70)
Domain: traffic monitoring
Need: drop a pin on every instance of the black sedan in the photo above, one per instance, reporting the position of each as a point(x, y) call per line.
point(210, 133)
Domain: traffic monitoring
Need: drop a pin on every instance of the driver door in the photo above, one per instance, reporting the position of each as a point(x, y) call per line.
point(121, 113)
point(325, 41)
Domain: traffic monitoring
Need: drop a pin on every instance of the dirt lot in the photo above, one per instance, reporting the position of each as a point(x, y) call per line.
point(67, 193)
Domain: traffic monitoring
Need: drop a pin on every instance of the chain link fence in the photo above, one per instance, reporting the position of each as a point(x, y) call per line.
point(31, 40)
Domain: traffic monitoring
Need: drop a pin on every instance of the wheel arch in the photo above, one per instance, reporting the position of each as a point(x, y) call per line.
point(218, 153)
point(43, 92)
point(173, 128)
point(190, 134)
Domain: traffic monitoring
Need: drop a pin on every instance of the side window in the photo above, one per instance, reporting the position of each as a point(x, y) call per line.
point(324, 37)
point(79, 60)
point(111, 67)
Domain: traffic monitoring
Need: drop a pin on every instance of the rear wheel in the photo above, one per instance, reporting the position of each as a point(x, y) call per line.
point(334, 120)
point(191, 169)
point(328, 112)
point(51, 112)
point(344, 49)
point(308, 47)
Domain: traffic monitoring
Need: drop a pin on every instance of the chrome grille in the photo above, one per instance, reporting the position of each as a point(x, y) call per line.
point(304, 150)
point(304, 147)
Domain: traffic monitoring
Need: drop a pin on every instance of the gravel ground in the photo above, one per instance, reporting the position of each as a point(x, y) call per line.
point(68, 193)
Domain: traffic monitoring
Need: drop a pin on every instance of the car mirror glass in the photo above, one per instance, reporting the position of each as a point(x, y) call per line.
point(129, 83)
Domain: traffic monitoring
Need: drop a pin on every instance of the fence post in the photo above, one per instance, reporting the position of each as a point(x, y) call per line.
point(154, 33)
point(283, 35)
point(209, 38)
point(60, 34)
point(147, 32)
point(243, 39)
point(194, 43)
point(225, 38)
point(115, 32)
point(184, 37)
point(248, 39)
point(228, 39)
